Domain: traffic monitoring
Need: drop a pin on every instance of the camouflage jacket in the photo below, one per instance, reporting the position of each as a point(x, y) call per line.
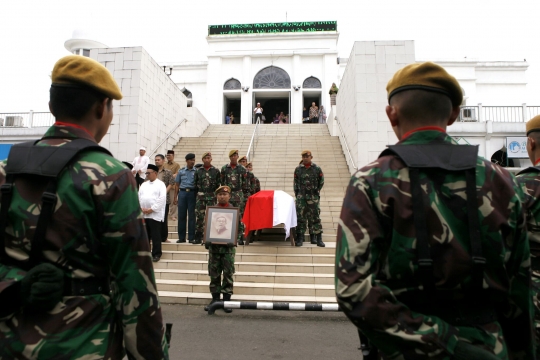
point(207, 181)
point(97, 230)
point(255, 184)
point(250, 185)
point(530, 184)
point(308, 181)
point(376, 262)
point(235, 178)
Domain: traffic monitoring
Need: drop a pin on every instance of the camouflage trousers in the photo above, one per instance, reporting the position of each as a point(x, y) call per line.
point(219, 263)
point(237, 200)
point(307, 210)
point(200, 212)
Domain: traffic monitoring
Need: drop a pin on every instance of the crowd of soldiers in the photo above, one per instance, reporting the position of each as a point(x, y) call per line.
point(436, 254)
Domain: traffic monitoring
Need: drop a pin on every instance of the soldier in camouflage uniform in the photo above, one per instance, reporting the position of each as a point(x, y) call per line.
point(96, 231)
point(250, 180)
point(309, 223)
point(450, 305)
point(254, 183)
point(221, 259)
point(234, 176)
point(529, 179)
point(207, 180)
point(308, 182)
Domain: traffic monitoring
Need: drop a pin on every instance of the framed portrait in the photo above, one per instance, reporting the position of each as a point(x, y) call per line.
point(221, 225)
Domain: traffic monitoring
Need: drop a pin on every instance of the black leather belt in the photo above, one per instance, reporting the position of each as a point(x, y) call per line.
point(83, 287)
point(186, 189)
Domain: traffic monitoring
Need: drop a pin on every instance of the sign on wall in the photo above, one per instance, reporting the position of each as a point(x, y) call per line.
point(266, 28)
point(517, 147)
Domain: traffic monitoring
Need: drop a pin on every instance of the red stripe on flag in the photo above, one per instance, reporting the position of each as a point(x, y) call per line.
point(259, 211)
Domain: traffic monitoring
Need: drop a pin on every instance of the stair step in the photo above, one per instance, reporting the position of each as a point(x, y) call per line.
point(310, 268)
point(203, 298)
point(259, 247)
point(254, 257)
point(248, 277)
point(243, 288)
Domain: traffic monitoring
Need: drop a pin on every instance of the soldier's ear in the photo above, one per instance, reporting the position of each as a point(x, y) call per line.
point(392, 113)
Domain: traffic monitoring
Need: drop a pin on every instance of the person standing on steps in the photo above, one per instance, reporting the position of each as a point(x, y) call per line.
point(173, 166)
point(255, 184)
point(140, 164)
point(258, 111)
point(250, 179)
point(153, 197)
point(221, 259)
point(185, 198)
point(207, 180)
point(313, 114)
point(166, 176)
point(234, 176)
point(308, 182)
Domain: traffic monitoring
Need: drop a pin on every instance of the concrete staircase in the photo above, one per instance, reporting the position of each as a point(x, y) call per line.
point(265, 270)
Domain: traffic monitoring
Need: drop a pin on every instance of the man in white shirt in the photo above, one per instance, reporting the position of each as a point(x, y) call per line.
point(258, 112)
point(152, 197)
point(140, 164)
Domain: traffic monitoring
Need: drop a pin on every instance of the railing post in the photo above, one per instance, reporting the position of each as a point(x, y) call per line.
point(480, 113)
point(30, 118)
point(524, 112)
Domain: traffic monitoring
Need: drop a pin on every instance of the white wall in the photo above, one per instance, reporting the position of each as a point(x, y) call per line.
point(151, 107)
point(362, 100)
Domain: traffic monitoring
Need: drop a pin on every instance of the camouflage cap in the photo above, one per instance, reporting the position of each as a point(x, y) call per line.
point(232, 152)
point(425, 76)
point(81, 71)
point(304, 152)
point(533, 125)
point(223, 188)
point(242, 158)
point(206, 154)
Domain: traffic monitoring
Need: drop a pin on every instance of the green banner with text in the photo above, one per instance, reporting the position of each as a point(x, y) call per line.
point(271, 28)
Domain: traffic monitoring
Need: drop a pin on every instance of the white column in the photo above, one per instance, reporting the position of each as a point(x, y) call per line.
point(214, 91)
point(296, 96)
point(247, 96)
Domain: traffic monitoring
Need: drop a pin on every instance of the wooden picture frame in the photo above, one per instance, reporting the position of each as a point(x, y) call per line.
point(221, 225)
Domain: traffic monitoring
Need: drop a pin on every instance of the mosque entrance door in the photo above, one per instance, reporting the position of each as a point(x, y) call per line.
point(231, 104)
point(273, 103)
point(310, 97)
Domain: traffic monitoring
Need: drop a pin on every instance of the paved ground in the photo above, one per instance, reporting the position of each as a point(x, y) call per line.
point(260, 334)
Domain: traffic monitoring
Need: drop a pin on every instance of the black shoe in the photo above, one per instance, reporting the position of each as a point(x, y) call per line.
point(299, 239)
point(241, 242)
point(215, 298)
point(319, 240)
point(191, 241)
point(156, 258)
point(180, 241)
point(312, 239)
point(197, 242)
point(227, 297)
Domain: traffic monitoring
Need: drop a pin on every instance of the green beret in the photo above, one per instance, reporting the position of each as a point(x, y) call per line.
point(232, 152)
point(425, 76)
point(76, 70)
point(533, 125)
point(223, 188)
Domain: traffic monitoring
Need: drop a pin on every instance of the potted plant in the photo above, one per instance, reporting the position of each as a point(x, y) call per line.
point(333, 93)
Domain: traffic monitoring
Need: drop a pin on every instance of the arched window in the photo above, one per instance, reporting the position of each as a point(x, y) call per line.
point(232, 84)
point(189, 96)
point(312, 83)
point(272, 77)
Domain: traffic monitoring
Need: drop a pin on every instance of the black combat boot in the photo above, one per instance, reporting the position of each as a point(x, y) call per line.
point(299, 239)
point(215, 298)
point(240, 242)
point(319, 240)
point(198, 240)
point(227, 297)
point(312, 238)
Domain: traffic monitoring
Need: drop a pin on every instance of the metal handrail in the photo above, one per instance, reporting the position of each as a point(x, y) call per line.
point(345, 141)
point(167, 138)
point(251, 143)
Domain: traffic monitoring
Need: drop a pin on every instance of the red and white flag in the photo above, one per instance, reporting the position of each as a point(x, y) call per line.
point(269, 208)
